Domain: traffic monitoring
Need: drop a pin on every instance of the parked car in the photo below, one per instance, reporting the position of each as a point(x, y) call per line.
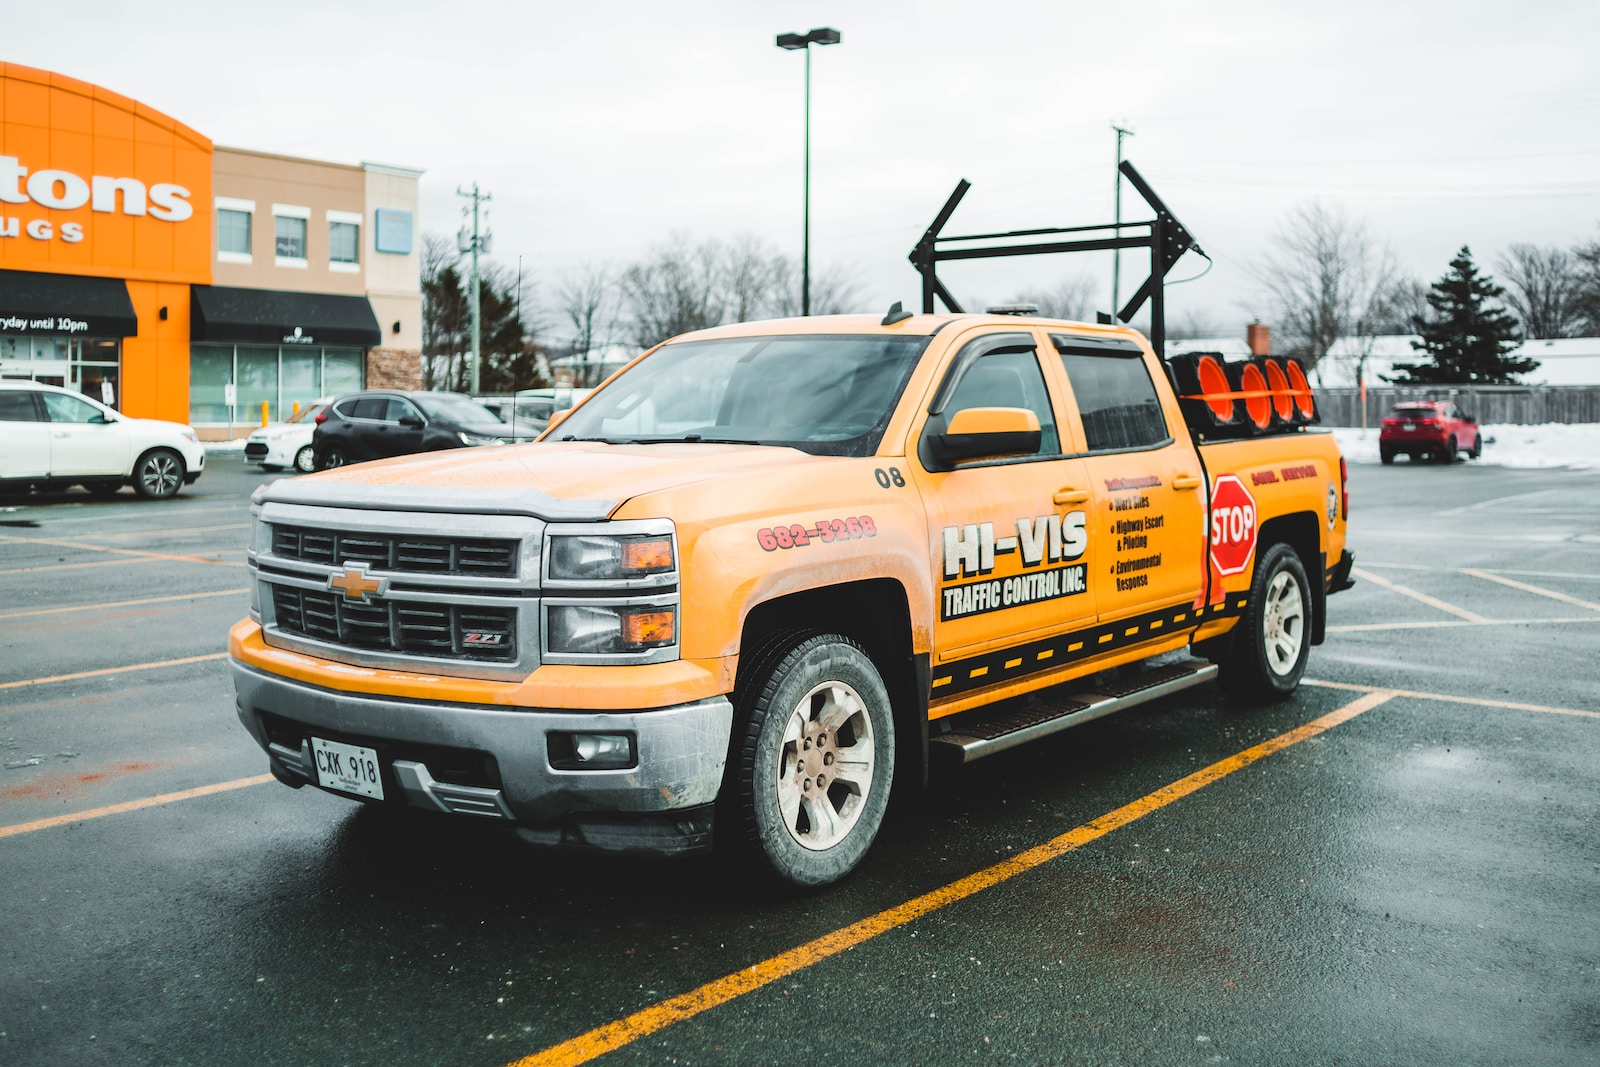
point(389, 422)
point(287, 443)
point(1434, 428)
point(536, 407)
point(51, 438)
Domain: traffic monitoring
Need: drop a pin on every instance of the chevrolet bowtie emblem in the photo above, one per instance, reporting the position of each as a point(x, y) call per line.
point(355, 585)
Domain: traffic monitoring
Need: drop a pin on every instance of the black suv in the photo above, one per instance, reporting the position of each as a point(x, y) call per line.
point(384, 422)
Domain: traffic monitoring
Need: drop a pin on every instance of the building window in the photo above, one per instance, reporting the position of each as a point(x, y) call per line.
point(290, 235)
point(280, 376)
point(233, 231)
point(344, 241)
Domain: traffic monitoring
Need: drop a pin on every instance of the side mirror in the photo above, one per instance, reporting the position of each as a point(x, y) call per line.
point(412, 422)
point(986, 433)
point(99, 419)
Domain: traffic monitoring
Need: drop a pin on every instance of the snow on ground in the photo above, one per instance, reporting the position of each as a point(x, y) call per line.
point(1550, 445)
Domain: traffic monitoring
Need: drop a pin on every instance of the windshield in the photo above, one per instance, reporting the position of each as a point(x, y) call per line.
point(306, 414)
point(1415, 411)
point(457, 409)
point(827, 395)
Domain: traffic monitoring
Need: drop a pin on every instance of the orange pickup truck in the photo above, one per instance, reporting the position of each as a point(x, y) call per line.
point(770, 570)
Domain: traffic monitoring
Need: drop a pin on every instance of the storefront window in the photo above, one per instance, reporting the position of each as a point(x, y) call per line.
point(87, 364)
point(281, 376)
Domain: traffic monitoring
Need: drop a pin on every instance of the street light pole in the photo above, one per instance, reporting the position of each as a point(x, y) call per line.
point(1116, 255)
point(792, 42)
point(477, 242)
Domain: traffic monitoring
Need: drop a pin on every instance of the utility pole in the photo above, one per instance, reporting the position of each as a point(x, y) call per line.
point(1116, 255)
point(475, 242)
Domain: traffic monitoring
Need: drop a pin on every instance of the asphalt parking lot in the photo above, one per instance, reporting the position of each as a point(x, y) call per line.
point(1398, 866)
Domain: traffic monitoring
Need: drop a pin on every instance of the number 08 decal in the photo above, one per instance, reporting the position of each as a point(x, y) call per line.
point(772, 538)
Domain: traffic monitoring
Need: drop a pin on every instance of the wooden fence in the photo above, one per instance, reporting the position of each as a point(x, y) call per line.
point(1523, 405)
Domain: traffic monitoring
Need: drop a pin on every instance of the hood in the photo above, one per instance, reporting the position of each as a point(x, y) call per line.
point(569, 481)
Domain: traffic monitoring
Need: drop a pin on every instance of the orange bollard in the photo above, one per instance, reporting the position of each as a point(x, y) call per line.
point(263, 413)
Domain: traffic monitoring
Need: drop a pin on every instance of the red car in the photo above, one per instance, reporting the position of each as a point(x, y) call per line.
point(1428, 427)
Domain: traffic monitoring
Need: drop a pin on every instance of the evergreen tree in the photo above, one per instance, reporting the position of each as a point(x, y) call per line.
point(1468, 334)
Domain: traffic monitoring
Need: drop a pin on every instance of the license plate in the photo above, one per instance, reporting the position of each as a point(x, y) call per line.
point(1408, 426)
point(347, 768)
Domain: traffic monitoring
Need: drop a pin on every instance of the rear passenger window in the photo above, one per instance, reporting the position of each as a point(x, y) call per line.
point(1116, 398)
point(367, 407)
point(17, 406)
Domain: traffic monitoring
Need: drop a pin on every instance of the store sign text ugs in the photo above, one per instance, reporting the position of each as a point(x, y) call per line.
point(62, 190)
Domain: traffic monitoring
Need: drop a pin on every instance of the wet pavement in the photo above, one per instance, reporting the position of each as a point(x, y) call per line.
point(1418, 884)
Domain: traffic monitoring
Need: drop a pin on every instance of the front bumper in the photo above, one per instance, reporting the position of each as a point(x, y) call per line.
point(495, 762)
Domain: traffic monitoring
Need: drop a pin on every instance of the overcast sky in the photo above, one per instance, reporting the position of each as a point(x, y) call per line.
point(602, 128)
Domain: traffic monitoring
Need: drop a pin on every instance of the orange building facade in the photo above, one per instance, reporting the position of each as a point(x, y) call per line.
point(177, 280)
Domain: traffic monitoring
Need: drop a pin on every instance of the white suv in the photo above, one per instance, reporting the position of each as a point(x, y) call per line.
point(51, 438)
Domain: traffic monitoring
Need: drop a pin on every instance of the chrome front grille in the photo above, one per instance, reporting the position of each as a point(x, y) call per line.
point(403, 627)
point(467, 556)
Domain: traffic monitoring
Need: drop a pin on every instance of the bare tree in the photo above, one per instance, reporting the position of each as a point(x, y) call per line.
point(443, 309)
point(834, 290)
point(677, 288)
point(1194, 324)
point(1071, 298)
point(751, 271)
point(588, 299)
point(1587, 257)
point(1542, 290)
point(1325, 278)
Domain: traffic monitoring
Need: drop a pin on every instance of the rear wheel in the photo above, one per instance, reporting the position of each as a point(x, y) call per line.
point(812, 762)
point(333, 457)
point(1385, 456)
point(1450, 452)
point(103, 489)
point(305, 460)
point(158, 474)
point(1272, 641)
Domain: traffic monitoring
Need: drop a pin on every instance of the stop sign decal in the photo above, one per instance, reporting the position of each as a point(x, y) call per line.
point(1233, 525)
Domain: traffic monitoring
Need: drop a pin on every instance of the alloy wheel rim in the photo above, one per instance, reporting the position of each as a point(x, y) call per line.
point(825, 766)
point(1283, 623)
point(160, 475)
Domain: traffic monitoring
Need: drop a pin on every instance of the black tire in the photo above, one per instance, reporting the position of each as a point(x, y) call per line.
point(1477, 447)
point(305, 460)
point(1268, 654)
point(811, 761)
point(1448, 456)
point(1385, 456)
point(332, 457)
point(103, 489)
point(158, 474)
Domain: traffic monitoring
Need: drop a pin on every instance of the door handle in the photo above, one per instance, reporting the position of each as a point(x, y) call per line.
point(1068, 495)
point(1186, 481)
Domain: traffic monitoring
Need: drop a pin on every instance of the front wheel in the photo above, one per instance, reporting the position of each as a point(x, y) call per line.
point(305, 460)
point(1477, 447)
point(812, 761)
point(1450, 452)
point(158, 474)
point(1273, 639)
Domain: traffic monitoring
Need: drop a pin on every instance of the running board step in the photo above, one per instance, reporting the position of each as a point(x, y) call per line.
point(985, 731)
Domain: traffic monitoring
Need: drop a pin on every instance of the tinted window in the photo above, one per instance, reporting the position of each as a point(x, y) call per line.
point(64, 408)
point(17, 406)
point(1003, 379)
point(367, 407)
point(1116, 399)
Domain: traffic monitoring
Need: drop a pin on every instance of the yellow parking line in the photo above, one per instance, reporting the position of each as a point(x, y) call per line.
point(131, 805)
point(123, 603)
point(77, 566)
point(139, 553)
point(1525, 587)
point(1433, 602)
point(183, 530)
point(113, 670)
point(1451, 698)
point(624, 1031)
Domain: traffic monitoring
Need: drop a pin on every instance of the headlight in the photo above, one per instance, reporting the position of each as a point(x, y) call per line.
point(599, 629)
point(190, 434)
point(601, 557)
point(477, 439)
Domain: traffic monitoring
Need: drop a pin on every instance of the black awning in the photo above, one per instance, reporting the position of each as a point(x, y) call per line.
point(31, 302)
point(274, 317)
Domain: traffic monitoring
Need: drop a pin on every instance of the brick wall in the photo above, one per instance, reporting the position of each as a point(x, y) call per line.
point(394, 368)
